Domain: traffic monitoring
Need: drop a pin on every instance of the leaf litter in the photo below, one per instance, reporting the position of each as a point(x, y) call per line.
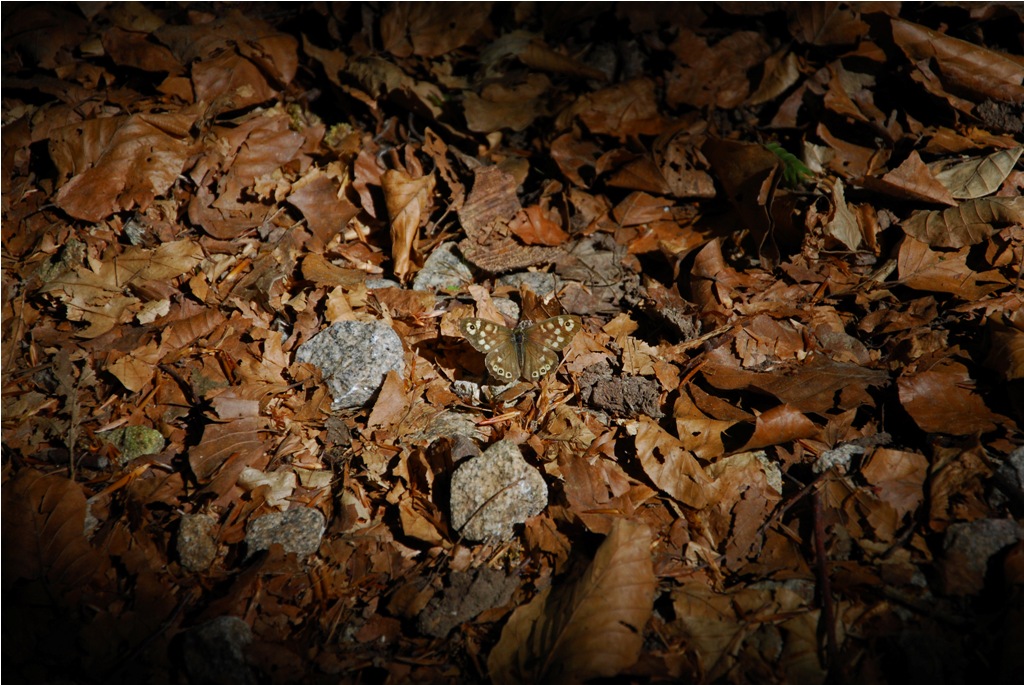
point(785, 447)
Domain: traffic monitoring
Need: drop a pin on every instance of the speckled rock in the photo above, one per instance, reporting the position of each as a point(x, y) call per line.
point(197, 546)
point(495, 491)
point(354, 357)
point(296, 530)
point(443, 269)
point(539, 282)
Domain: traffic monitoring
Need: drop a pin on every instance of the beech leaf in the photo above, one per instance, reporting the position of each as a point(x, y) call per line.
point(592, 628)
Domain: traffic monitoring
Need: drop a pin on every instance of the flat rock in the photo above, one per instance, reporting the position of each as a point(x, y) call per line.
point(495, 491)
point(354, 357)
point(297, 530)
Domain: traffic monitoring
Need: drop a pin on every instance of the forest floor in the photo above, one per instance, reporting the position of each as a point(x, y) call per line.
point(769, 424)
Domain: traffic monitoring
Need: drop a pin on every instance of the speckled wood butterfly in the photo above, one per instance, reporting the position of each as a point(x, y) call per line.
point(524, 350)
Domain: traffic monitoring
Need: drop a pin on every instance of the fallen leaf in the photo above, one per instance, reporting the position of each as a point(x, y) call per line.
point(591, 628)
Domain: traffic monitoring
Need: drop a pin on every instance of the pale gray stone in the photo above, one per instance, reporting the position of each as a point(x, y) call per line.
point(296, 530)
point(540, 282)
point(443, 270)
point(354, 357)
point(495, 491)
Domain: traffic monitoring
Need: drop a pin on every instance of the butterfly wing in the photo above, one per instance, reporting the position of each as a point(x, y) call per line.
point(482, 334)
point(537, 360)
point(542, 340)
point(503, 362)
point(496, 341)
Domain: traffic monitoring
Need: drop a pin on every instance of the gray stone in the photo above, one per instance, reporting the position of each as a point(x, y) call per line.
point(443, 270)
point(446, 424)
point(296, 530)
point(840, 457)
point(354, 357)
point(214, 652)
point(495, 491)
point(540, 282)
point(197, 546)
point(509, 309)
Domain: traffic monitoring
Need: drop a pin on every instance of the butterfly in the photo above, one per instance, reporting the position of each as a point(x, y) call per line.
point(524, 350)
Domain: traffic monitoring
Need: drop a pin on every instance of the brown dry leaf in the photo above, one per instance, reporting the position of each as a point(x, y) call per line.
point(851, 160)
point(816, 385)
point(236, 442)
point(320, 271)
point(763, 341)
point(491, 204)
point(430, 29)
point(1006, 355)
point(534, 226)
point(530, 49)
point(435, 146)
point(640, 208)
point(912, 180)
point(380, 78)
point(316, 195)
point(967, 224)
point(844, 225)
point(679, 161)
point(392, 403)
point(898, 478)
point(697, 432)
point(94, 296)
point(714, 76)
point(598, 490)
point(826, 23)
point(781, 71)
point(44, 538)
point(943, 271)
point(957, 484)
point(255, 147)
point(513, 104)
point(711, 626)
point(624, 109)
point(409, 201)
point(670, 467)
point(636, 173)
point(780, 425)
point(964, 66)
point(941, 399)
point(591, 628)
point(136, 369)
point(851, 94)
point(121, 164)
point(135, 49)
point(974, 178)
point(573, 156)
point(741, 499)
